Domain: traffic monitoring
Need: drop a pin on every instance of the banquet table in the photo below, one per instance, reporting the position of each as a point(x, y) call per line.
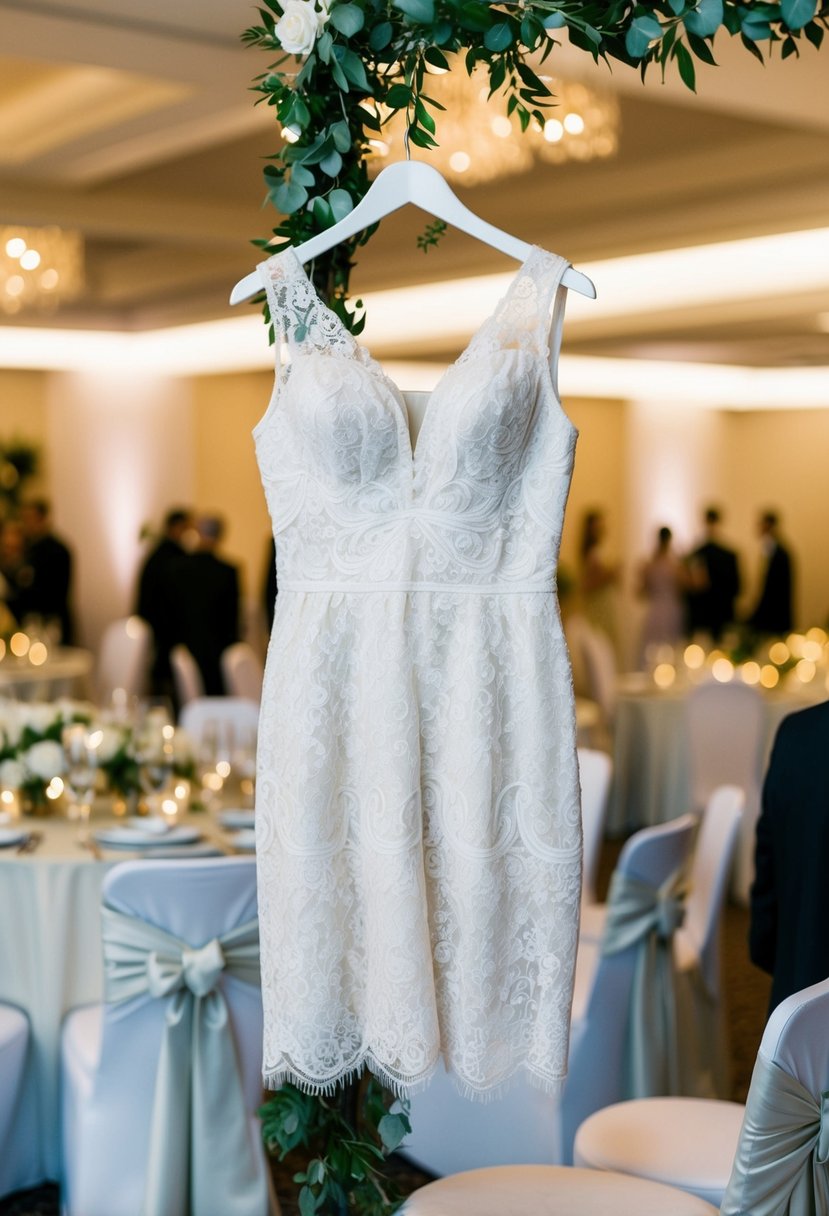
point(651, 769)
point(66, 671)
point(50, 959)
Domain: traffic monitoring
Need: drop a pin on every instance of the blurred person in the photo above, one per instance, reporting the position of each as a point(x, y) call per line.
point(713, 581)
point(206, 591)
point(597, 577)
point(154, 598)
point(46, 576)
point(662, 582)
point(773, 611)
point(12, 563)
point(790, 895)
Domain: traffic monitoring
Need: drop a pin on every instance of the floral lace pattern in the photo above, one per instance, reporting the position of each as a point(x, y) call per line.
point(418, 815)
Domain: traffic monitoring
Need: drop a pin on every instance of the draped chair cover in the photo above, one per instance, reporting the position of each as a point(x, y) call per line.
point(782, 1163)
point(646, 917)
point(201, 1157)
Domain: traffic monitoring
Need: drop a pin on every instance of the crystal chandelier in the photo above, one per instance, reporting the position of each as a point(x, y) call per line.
point(478, 142)
point(39, 267)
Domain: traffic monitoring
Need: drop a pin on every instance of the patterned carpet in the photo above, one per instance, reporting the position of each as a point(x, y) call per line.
point(746, 995)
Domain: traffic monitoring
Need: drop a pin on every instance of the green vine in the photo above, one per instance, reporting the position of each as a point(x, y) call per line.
point(344, 1141)
point(347, 66)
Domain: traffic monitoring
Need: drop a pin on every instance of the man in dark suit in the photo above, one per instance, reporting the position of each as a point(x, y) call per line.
point(773, 610)
point(154, 598)
point(790, 895)
point(46, 576)
point(714, 581)
point(206, 592)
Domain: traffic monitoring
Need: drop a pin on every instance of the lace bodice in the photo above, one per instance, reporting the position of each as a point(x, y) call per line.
point(480, 499)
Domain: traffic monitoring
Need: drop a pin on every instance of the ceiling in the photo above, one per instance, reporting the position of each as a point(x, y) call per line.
point(135, 124)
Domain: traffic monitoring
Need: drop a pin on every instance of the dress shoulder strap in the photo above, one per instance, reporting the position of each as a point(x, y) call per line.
point(300, 319)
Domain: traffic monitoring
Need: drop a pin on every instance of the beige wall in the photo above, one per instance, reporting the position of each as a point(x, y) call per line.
point(781, 460)
point(225, 410)
point(23, 416)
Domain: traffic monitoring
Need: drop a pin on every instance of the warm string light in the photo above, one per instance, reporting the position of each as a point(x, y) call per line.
point(799, 659)
point(39, 267)
point(477, 143)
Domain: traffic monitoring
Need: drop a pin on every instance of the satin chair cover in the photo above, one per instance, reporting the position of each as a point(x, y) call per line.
point(782, 1163)
point(646, 917)
point(201, 1158)
point(161, 919)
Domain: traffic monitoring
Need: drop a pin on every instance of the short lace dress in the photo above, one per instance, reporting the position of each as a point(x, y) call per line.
point(417, 799)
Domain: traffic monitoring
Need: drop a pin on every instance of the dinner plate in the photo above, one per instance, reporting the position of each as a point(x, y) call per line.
point(139, 838)
point(181, 852)
point(12, 836)
point(244, 840)
point(236, 818)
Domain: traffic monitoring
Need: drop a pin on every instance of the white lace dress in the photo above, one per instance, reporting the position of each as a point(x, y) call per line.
point(418, 819)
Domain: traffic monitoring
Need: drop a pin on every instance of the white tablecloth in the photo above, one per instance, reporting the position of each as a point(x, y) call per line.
point(651, 772)
point(50, 962)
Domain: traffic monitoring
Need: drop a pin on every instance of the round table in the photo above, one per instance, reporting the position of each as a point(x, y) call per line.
point(651, 770)
point(66, 671)
point(50, 962)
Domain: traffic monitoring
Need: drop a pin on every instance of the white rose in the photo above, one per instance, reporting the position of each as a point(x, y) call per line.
point(12, 775)
point(44, 760)
point(297, 28)
point(39, 717)
point(323, 13)
point(112, 740)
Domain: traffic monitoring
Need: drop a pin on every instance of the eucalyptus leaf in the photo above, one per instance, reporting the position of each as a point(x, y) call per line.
point(392, 1131)
point(381, 36)
point(554, 21)
point(705, 19)
point(324, 46)
point(341, 203)
point(643, 30)
point(332, 163)
point(352, 65)
point(499, 36)
point(307, 1203)
point(349, 19)
point(341, 135)
point(797, 13)
point(288, 197)
point(422, 11)
point(754, 27)
point(302, 176)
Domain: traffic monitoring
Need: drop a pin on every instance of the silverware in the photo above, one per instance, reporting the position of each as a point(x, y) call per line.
point(91, 846)
point(30, 843)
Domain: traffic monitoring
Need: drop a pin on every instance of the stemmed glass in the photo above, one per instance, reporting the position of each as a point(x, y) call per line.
point(244, 763)
point(154, 755)
point(80, 749)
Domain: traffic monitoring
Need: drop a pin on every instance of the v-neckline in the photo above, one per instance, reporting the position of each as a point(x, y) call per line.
point(402, 409)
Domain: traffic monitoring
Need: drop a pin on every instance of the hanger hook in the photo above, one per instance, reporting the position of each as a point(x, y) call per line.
point(406, 145)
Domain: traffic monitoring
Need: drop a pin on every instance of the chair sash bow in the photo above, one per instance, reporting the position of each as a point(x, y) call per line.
point(782, 1156)
point(646, 918)
point(199, 1114)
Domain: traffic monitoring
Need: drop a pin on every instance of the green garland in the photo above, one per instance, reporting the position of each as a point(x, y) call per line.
point(345, 63)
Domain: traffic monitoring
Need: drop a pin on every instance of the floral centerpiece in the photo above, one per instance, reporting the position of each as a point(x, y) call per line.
point(32, 760)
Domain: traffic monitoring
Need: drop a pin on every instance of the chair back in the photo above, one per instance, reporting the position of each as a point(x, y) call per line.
point(186, 675)
point(226, 716)
point(595, 771)
point(242, 672)
point(726, 731)
point(597, 1049)
point(123, 658)
point(600, 667)
point(781, 1160)
point(194, 901)
point(709, 873)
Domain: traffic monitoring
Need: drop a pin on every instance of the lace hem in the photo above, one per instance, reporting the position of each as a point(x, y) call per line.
point(403, 1087)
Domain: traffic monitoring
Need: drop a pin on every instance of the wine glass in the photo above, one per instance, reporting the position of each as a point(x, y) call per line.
point(80, 749)
point(154, 756)
point(244, 763)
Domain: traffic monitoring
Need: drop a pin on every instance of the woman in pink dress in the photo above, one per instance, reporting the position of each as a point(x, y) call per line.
point(662, 581)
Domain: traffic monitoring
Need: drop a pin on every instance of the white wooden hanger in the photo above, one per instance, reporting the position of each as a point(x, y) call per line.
point(411, 181)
